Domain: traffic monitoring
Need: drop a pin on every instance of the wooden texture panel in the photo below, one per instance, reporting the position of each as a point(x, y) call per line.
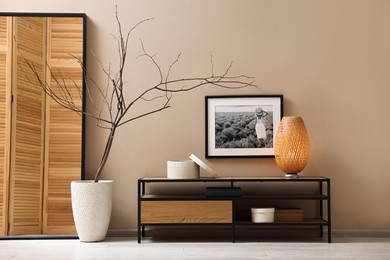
point(288, 215)
point(63, 127)
point(26, 174)
point(3, 109)
point(5, 96)
point(159, 212)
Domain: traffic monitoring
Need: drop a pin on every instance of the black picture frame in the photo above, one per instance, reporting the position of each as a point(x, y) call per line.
point(242, 126)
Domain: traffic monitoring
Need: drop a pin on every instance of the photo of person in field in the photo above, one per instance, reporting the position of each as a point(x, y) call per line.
point(244, 126)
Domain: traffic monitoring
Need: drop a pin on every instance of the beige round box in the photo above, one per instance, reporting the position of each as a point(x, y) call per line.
point(262, 215)
point(186, 169)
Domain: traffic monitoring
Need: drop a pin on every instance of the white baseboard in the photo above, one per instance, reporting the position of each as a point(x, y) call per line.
point(361, 232)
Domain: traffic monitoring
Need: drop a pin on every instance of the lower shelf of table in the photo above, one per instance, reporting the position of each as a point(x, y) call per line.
point(308, 225)
point(305, 222)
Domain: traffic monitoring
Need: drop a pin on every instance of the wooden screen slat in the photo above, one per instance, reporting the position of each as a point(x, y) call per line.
point(5, 99)
point(3, 138)
point(26, 174)
point(63, 127)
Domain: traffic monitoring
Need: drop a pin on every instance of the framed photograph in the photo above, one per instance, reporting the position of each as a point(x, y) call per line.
point(242, 126)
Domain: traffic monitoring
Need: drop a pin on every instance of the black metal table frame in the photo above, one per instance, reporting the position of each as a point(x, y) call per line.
point(141, 190)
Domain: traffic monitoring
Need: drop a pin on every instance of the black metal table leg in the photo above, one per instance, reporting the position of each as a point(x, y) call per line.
point(139, 211)
point(233, 222)
point(329, 214)
point(321, 210)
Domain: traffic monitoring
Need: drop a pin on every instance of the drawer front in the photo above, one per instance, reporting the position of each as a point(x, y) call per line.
point(164, 212)
point(288, 215)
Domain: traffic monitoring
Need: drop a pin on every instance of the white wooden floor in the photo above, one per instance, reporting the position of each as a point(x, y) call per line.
point(127, 248)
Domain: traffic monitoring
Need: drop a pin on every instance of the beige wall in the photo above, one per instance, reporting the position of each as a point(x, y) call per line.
point(330, 60)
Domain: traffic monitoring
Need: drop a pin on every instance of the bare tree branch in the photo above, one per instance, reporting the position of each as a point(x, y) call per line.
point(64, 90)
point(153, 60)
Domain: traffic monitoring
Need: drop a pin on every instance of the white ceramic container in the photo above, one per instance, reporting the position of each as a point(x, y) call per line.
point(91, 205)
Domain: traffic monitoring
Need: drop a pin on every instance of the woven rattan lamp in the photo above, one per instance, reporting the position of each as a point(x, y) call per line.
point(292, 146)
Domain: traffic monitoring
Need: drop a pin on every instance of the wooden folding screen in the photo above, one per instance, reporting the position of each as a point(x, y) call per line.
point(40, 141)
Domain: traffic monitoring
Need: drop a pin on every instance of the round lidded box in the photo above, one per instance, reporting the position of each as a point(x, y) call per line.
point(262, 215)
point(186, 169)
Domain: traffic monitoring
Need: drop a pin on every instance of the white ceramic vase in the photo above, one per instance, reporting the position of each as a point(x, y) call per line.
point(91, 205)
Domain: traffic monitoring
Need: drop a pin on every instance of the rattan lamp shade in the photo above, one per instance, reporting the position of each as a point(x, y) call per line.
point(292, 145)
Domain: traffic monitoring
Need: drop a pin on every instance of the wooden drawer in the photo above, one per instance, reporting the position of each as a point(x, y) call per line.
point(164, 212)
point(288, 215)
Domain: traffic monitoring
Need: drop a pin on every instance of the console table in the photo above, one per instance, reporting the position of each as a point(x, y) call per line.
point(199, 209)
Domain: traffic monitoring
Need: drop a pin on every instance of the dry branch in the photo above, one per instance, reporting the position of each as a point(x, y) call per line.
point(114, 93)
